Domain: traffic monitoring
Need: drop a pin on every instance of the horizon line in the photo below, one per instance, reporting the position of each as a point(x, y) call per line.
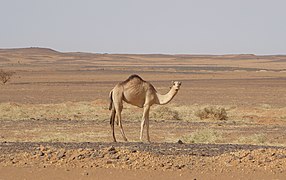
point(127, 53)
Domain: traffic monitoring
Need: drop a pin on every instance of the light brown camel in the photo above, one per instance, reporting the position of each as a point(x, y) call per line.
point(139, 93)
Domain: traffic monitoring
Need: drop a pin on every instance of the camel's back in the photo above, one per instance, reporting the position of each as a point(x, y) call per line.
point(134, 85)
point(134, 90)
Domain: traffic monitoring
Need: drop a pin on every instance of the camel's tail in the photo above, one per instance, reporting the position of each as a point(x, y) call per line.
point(111, 100)
point(112, 116)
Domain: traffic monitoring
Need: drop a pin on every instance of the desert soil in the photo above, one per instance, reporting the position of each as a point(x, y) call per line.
point(54, 121)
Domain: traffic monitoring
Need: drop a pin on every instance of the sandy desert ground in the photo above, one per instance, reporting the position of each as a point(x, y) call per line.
point(55, 120)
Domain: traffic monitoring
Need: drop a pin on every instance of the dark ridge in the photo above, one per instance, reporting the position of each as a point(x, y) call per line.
point(207, 150)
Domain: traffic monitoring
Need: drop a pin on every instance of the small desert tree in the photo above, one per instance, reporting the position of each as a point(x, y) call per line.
point(5, 76)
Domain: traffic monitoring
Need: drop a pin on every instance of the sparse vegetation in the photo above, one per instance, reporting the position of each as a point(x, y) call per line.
point(211, 112)
point(62, 111)
point(5, 76)
point(157, 113)
point(165, 113)
point(257, 139)
point(204, 136)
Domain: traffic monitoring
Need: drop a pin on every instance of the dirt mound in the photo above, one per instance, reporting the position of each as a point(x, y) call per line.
point(161, 156)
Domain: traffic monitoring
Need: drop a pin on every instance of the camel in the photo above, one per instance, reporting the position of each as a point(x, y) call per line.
point(139, 93)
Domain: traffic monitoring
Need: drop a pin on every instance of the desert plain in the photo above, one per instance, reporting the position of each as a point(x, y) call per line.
point(54, 117)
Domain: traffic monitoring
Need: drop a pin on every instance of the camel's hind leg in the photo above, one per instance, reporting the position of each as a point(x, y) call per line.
point(112, 119)
point(119, 108)
point(118, 105)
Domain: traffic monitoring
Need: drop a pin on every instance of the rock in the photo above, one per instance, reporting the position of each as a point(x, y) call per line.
point(73, 156)
point(180, 141)
point(49, 155)
point(81, 156)
point(108, 162)
point(61, 154)
point(112, 152)
point(42, 148)
point(87, 155)
point(101, 156)
point(280, 156)
point(267, 160)
point(250, 157)
point(115, 157)
point(85, 173)
point(80, 149)
point(94, 155)
point(170, 164)
point(111, 148)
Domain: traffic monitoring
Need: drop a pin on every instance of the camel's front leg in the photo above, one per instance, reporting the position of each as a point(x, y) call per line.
point(147, 126)
point(145, 121)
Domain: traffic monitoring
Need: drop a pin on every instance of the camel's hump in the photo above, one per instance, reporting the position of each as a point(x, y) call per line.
point(134, 79)
point(134, 76)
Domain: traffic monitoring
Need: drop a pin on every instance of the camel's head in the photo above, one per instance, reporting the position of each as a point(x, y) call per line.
point(176, 85)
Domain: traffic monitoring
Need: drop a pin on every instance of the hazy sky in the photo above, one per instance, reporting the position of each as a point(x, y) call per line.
point(146, 26)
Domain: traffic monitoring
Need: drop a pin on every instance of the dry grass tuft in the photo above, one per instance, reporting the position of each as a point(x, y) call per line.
point(5, 76)
point(257, 139)
point(204, 136)
point(211, 112)
point(164, 113)
point(63, 111)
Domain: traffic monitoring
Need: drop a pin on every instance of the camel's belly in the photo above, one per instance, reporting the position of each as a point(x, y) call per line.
point(135, 100)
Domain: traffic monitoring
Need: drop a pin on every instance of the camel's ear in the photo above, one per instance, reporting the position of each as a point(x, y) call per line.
point(173, 82)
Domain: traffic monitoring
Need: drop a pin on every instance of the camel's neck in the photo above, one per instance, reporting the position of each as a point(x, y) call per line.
point(166, 98)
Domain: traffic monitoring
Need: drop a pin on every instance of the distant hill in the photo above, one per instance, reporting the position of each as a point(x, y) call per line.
point(31, 50)
point(49, 51)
